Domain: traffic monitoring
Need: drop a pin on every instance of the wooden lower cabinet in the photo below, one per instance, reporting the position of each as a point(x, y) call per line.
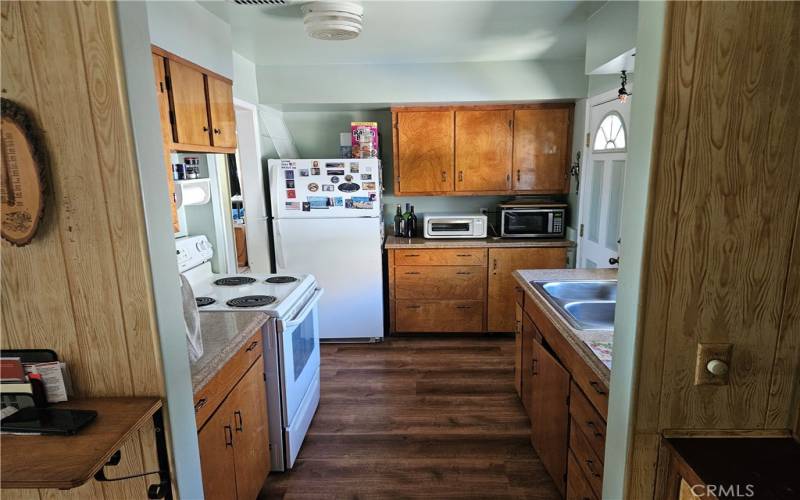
point(234, 442)
point(439, 315)
point(578, 487)
point(460, 289)
point(518, 348)
point(502, 285)
point(549, 413)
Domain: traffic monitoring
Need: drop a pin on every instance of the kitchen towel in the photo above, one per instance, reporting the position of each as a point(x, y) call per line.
point(191, 316)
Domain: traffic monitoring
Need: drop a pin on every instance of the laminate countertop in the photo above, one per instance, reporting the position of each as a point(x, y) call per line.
point(396, 242)
point(593, 346)
point(223, 334)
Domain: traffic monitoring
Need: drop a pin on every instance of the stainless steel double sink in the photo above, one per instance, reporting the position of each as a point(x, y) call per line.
point(586, 305)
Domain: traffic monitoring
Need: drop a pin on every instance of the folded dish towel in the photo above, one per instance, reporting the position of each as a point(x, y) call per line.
point(191, 317)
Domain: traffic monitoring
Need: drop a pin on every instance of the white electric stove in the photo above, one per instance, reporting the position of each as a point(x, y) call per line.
point(291, 337)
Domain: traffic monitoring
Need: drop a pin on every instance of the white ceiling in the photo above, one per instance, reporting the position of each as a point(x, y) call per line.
point(399, 32)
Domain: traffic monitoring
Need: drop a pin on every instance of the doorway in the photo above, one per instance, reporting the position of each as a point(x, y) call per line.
point(604, 174)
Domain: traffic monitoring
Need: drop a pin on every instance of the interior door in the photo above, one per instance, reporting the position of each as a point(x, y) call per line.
point(541, 149)
point(425, 145)
point(502, 262)
point(188, 90)
point(251, 431)
point(483, 150)
point(216, 443)
point(602, 185)
point(550, 413)
point(223, 117)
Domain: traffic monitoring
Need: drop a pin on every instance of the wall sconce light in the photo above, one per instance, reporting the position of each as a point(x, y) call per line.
point(623, 93)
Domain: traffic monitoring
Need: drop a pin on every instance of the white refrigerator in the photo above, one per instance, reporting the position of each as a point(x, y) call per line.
point(327, 222)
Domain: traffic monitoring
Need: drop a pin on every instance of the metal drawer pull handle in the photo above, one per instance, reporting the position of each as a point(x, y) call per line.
point(251, 346)
point(412, 255)
point(464, 273)
point(463, 255)
point(413, 307)
point(594, 428)
point(591, 468)
point(534, 362)
point(464, 307)
point(412, 272)
point(596, 387)
point(200, 403)
point(237, 415)
point(228, 436)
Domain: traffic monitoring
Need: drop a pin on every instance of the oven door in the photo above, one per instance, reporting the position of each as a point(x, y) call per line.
point(443, 228)
point(527, 223)
point(299, 345)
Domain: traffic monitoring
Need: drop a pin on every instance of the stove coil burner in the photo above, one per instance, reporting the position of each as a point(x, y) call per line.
point(204, 301)
point(281, 279)
point(252, 301)
point(235, 281)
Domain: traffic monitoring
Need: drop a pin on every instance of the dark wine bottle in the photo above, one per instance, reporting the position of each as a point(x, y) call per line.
point(407, 221)
point(413, 224)
point(398, 222)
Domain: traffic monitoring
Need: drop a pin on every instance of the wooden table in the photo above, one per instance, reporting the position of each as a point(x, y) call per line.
point(66, 462)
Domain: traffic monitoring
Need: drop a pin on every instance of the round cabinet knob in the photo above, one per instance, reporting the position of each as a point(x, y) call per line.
point(717, 367)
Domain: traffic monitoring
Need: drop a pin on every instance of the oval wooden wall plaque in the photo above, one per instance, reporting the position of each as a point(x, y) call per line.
point(21, 185)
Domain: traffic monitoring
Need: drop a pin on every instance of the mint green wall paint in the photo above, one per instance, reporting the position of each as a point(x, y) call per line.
point(385, 84)
point(649, 43)
point(192, 32)
point(245, 82)
point(610, 32)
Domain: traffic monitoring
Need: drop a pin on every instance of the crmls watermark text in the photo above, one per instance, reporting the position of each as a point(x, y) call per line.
point(726, 491)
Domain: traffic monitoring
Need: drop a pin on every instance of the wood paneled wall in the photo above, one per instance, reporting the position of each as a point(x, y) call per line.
point(722, 263)
point(82, 287)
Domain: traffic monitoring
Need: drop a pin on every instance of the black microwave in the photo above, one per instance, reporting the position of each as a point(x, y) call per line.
point(545, 220)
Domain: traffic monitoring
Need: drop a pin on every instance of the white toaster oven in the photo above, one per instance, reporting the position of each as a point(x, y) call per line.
point(455, 225)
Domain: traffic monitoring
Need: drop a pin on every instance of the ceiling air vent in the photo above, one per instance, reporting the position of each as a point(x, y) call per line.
point(260, 2)
point(333, 20)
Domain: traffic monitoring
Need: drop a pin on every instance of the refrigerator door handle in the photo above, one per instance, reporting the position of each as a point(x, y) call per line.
point(280, 260)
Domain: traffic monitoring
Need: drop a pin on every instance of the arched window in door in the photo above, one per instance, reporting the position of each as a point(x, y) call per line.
point(610, 135)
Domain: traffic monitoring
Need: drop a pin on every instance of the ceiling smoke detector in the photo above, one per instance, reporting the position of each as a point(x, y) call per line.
point(333, 20)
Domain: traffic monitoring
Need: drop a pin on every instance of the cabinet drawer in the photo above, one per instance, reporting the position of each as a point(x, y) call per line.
point(441, 257)
point(593, 388)
point(440, 282)
point(439, 316)
point(588, 420)
point(588, 461)
point(207, 399)
point(578, 487)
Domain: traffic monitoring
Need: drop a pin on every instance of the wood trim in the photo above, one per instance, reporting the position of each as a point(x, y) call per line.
point(726, 433)
point(194, 148)
point(174, 57)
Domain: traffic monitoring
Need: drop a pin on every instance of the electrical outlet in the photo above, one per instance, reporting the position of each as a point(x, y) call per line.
point(484, 211)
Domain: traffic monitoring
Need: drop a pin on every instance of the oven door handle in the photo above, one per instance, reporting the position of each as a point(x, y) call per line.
point(301, 316)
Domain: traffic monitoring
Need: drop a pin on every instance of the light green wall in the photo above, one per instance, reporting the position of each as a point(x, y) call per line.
point(610, 32)
point(386, 84)
point(245, 82)
point(649, 42)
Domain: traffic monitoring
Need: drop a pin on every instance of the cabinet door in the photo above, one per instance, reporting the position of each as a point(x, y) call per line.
point(223, 118)
point(550, 413)
point(425, 145)
point(541, 149)
point(526, 361)
point(439, 315)
point(518, 349)
point(189, 105)
point(159, 69)
point(502, 285)
point(217, 456)
point(483, 150)
point(251, 431)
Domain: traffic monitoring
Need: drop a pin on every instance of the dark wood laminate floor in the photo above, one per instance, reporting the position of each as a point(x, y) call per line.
point(417, 417)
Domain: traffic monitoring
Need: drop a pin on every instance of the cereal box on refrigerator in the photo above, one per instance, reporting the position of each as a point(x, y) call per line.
point(365, 139)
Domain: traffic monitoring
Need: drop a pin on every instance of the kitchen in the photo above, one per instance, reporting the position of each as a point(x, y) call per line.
point(327, 356)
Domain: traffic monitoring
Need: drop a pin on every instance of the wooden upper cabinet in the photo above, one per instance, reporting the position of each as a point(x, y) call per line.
point(502, 286)
point(424, 145)
point(541, 149)
point(220, 107)
point(188, 90)
point(483, 150)
point(162, 95)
